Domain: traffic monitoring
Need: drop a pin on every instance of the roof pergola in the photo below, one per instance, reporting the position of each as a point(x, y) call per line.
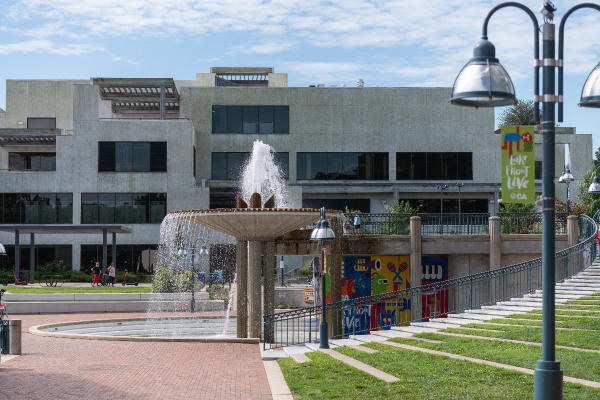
point(140, 95)
point(62, 229)
point(241, 76)
point(20, 137)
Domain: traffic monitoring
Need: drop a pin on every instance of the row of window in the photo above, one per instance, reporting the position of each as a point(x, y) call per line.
point(229, 166)
point(251, 119)
point(36, 208)
point(31, 161)
point(123, 208)
point(434, 166)
point(132, 156)
point(342, 166)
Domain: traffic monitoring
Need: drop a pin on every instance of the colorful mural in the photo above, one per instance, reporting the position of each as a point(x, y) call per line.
point(434, 304)
point(366, 276)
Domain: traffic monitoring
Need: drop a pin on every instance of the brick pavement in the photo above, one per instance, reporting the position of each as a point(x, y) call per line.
point(64, 369)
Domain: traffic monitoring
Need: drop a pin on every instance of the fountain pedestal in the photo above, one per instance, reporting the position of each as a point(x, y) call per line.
point(241, 266)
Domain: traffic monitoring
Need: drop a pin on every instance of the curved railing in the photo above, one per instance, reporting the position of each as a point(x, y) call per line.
point(437, 300)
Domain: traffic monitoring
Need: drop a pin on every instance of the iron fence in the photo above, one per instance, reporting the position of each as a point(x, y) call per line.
point(527, 223)
point(4, 336)
point(421, 303)
point(454, 223)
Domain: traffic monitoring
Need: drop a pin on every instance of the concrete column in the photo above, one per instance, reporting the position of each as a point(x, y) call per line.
point(495, 243)
point(269, 288)
point(573, 229)
point(162, 106)
point(241, 266)
point(254, 288)
point(104, 250)
point(114, 249)
point(14, 333)
point(337, 266)
point(17, 253)
point(416, 272)
point(32, 257)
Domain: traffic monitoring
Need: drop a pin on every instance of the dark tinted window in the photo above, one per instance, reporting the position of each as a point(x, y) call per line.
point(234, 119)
point(228, 166)
point(434, 166)
point(282, 119)
point(123, 208)
point(219, 119)
point(538, 170)
point(132, 156)
point(32, 161)
point(339, 166)
point(36, 208)
point(250, 119)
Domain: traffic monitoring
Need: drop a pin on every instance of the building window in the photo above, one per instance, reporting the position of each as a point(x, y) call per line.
point(450, 205)
point(32, 161)
point(251, 119)
point(132, 156)
point(36, 208)
point(41, 123)
point(123, 208)
point(228, 166)
point(343, 166)
point(434, 166)
point(222, 197)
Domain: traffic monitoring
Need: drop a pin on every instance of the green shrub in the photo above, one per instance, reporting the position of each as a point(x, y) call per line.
point(168, 281)
point(80, 276)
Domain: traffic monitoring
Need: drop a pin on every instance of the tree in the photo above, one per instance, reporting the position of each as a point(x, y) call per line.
point(519, 114)
point(590, 201)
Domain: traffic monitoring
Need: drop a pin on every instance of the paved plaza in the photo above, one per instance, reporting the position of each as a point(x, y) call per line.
point(57, 368)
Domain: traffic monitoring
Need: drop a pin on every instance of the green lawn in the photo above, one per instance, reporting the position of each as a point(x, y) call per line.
point(586, 339)
point(71, 289)
point(574, 363)
point(422, 376)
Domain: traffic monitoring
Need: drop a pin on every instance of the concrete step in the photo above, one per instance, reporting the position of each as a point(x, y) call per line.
point(66, 297)
point(491, 312)
point(436, 325)
point(513, 309)
point(391, 333)
point(345, 342)
point(368, 338)
point(297, 349)
point(475, 317)
point(413, 329)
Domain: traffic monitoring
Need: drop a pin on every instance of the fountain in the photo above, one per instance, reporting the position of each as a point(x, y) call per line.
point(252, 226)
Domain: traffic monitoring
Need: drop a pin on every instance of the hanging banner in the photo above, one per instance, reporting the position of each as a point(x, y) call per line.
point(518, 164)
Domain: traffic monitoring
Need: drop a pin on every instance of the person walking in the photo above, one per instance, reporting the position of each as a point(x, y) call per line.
point(96, 269)
point(112, 274)
point(357, 223)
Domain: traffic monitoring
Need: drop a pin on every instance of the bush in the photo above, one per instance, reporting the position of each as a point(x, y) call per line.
point(168, 281)
point(80, 276)
point(218, 293)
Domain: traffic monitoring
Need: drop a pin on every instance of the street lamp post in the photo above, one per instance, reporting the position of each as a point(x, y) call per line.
point(323, 232)
point(459, 185)
point(183, 253)
point(441, 188)
point(567, 178)
point(483, 82)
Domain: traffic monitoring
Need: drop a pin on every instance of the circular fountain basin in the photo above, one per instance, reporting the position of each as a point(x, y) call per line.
point(253, 223)
point(190, 329)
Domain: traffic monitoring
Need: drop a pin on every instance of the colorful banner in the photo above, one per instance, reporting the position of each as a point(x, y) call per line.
point(435, 302)
point(518, 164)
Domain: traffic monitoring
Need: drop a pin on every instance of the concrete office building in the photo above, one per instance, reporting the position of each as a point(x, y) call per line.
point(126, 151)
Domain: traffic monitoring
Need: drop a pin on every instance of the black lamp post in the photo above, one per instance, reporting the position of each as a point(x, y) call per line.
point(567, 178)
point(183, 253)
point(323, 232)
point(483, 82)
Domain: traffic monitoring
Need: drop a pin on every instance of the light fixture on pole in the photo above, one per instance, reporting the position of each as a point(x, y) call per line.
point(594, 187)
point(323, 232)
point(567, 178)
point(484, 83)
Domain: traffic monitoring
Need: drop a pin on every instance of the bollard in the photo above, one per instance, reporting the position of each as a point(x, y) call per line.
point(14, 336)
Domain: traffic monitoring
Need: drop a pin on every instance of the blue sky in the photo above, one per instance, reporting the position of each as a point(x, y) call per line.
point(335, 42)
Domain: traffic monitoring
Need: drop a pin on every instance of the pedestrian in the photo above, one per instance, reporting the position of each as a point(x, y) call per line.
point(357, 223)
point(347, 226)
point(112, 274)
point(96, 271)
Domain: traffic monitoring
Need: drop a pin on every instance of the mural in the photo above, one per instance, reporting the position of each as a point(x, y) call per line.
point(366, 276)
point(434, 304)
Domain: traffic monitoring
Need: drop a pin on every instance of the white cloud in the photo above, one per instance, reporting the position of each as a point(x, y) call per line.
point(47, 46)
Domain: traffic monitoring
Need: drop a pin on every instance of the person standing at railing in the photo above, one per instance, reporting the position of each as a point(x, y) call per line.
point(357, 223)
point(347, 226)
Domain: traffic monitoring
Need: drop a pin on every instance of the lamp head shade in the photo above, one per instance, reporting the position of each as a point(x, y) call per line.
point(322, 231)
point(590, 94)
point(594, 187)
point(483, 81)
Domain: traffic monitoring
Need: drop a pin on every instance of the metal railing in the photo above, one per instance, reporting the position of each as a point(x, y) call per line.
point(365, 314)
point(527, 223)
point(454, 223)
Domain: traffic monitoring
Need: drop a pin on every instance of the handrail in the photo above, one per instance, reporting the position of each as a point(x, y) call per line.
point(435, 300)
